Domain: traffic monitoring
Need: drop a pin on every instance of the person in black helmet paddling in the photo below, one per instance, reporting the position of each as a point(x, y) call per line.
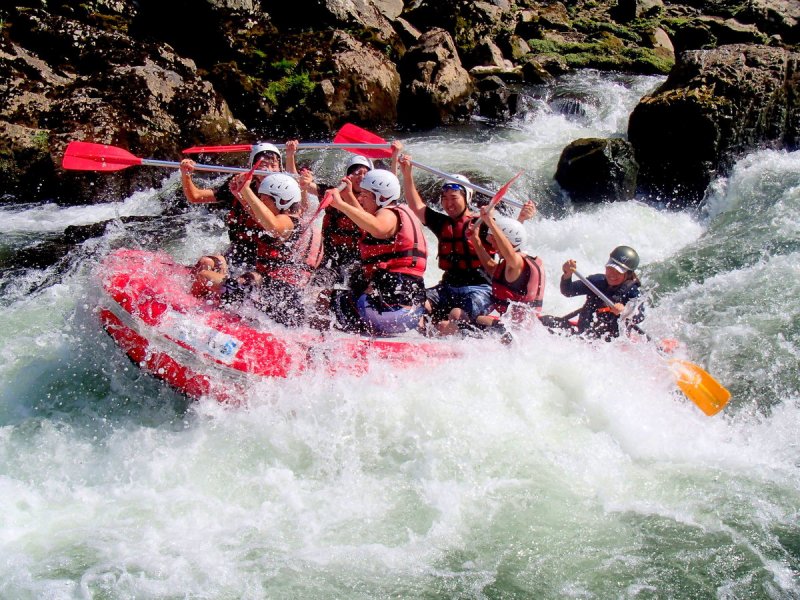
point(619, 283)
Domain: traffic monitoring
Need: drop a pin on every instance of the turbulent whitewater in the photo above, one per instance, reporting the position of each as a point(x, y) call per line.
point(551, 468)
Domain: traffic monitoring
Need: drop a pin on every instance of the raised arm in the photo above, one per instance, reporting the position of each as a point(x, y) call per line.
point(194, 194)
point(487, 261)
point(397, 148)
point(514, 260)
point(279, 225)
point(291, 150)
point(415, 201)
point(528, 211)
point(381, 225)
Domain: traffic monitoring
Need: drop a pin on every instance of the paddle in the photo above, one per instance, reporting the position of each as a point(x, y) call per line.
point(350, 136)
point(302, 145)
point(698, 385)
point(502, 191)
point(86, 156)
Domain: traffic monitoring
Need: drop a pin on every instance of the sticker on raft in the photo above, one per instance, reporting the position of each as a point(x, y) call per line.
point(201, 337)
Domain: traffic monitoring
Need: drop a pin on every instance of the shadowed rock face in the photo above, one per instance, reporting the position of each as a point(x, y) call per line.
point(437, 88)
point(154, 77)
point(598, 170)
point(715, 105)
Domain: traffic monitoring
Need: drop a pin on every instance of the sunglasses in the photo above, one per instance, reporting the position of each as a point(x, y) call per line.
point(454, 186)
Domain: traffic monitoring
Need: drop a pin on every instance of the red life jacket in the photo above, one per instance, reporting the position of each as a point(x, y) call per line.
point(455, 248)
point(340, 230)
point(406, 252)
point(243, 230)
point(291, 260)
point(528, 289)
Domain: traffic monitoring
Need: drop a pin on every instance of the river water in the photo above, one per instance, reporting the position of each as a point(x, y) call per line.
point(551, 468)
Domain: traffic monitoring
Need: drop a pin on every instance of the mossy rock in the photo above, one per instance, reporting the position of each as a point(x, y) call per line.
point(608, 54)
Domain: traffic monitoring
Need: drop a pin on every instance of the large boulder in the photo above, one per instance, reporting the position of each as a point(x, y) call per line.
point(714, 106)
point(72, 81)
point(598, 170)
point(363, 86)
point(436, 89)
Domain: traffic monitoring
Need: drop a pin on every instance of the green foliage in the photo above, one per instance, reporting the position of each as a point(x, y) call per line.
point(41, 139)
point(284, 66)
point(291, 89)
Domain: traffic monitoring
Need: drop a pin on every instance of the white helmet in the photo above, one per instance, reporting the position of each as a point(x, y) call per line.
point(359, 160)
point(468, 192)
point(384, 184)
point(282, 188)
point(513, 230)
point(262, 147)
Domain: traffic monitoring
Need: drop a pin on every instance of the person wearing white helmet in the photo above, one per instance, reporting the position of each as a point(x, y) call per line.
point(390, 291)
point(619, 283)
point(284, 258)
point(464, 291)
point(243, 229)
point(518, 279)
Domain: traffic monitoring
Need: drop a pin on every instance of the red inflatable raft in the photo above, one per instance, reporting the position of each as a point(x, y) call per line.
point(202, 350)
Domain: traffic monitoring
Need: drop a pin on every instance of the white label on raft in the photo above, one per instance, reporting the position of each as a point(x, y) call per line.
point(200, 336)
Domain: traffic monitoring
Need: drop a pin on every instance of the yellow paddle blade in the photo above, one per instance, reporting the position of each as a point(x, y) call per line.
point(700, 387)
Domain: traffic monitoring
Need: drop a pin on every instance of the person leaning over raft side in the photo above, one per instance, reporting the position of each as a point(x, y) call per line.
point(464, 291)
point(518, 280)
point(393, 251)
point(619, 283)
point(284, 261)
point(243, 230)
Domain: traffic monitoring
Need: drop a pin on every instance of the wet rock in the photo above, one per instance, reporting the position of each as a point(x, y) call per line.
point(496, 101)
point(598, 170)
point(436, 89)
point(715, 106)
point(72, 81)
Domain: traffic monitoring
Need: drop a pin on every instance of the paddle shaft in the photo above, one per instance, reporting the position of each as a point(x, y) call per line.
point(300, 146)
point(149, 162)
point(321, 145)
point(607, 301)
point(472, 186)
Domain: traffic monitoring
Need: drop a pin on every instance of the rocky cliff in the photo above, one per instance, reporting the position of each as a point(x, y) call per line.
point(155, 77)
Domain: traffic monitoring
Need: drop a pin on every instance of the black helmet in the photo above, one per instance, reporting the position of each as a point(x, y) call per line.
point(625, 257)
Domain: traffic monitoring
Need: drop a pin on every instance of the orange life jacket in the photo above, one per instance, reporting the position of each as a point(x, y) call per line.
point(406, 252)
point(528, 289)
point(455, 248)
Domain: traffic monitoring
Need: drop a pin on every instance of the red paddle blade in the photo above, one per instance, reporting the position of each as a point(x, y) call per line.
point(353, 134)
point(211, 149)
point(86, 156)
point(502, 191)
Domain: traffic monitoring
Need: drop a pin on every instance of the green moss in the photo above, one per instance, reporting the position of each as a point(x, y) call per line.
point(292, 89)
point(41, 139)
point(606, 53)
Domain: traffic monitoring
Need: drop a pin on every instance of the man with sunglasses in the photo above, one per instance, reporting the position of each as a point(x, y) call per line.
point(464, 291)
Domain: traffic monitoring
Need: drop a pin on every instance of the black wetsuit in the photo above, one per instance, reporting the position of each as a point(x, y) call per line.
point(593, 320)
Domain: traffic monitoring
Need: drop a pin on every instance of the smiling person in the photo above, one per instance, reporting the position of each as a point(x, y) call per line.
point(390, 291)
point(285, 257)
point(243, 230)
point(464, 291)
point(619, 283)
